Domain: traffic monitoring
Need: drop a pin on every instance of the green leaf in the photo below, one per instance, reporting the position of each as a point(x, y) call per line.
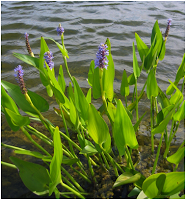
point(131, 79)
point(91, 73)
point(80, 101)
point(163, 50)
point(96, 84)
point(124, 89)
point(135, 191)
point(152, 86)
point(109, 74)
point(123, 130)
point(97, 128)
point(157, 36)
point(61, 48)
point(7, 102)
point(111, 110)
point(180, 114)
point(126, 178)
point(61, 79)
point(55, 165)
point(174, 182)
point(89, 149)
point(167, 117)
point(177, 157)
point(28, 59)
point(69, 161)
point(181, 70)
point(142, 47)
point(88, 97)
point(35, 177)
point(57, 89)
point(32, 153)
point(160, 182)
point(179, 75)
point(136, 68)
point(39, 102)
point(17, 119)
point(162, 99)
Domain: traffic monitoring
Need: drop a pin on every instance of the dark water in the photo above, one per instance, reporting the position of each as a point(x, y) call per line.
point(86, 25)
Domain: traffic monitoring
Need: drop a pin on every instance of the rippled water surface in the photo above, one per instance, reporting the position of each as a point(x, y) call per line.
point(86, 25)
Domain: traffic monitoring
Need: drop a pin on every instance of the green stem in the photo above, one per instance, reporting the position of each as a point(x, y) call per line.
point(80, 174)
point(38, 134)
point(129, 158)
point(91, 170)
point(157, 155)
point(152, 123)
point(73, 180)
point(11, 147)
point(70, 184)
point(126, 101)
point(136, 100)
point(105, 160)
point(72, 190)
point(35, 143)
point(8, 165)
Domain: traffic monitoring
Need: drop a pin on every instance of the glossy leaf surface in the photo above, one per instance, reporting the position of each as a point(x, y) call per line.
point(123, 130)
point(153, 186)
point(55, 165)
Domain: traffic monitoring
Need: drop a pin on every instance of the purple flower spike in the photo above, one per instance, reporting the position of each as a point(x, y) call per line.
point(102, 61)
point(48, 56)
point(27, 43)
point(19, 73)
point(60, 30)
point(168, 27)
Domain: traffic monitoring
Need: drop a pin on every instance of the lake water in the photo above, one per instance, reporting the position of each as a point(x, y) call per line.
point(86, 25)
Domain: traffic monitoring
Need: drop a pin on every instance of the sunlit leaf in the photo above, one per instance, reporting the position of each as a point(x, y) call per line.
point(152, 86)
point(136, 68)
point(126, 178)
point(124, 88)
point(123, 130)
point(61, 79)
point(177, 157)
point(97, 128)
point(169, 187)
point(142, 47)
point(55, 165)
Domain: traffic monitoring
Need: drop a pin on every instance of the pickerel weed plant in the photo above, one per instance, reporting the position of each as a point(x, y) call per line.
point(79, 115)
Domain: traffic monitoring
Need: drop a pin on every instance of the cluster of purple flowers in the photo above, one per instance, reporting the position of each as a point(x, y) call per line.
point(19, 73)
point(101, 59)
point(60, 30)
point(48, 56)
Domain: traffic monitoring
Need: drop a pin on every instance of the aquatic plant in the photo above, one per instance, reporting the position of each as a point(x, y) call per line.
point(94, 138)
